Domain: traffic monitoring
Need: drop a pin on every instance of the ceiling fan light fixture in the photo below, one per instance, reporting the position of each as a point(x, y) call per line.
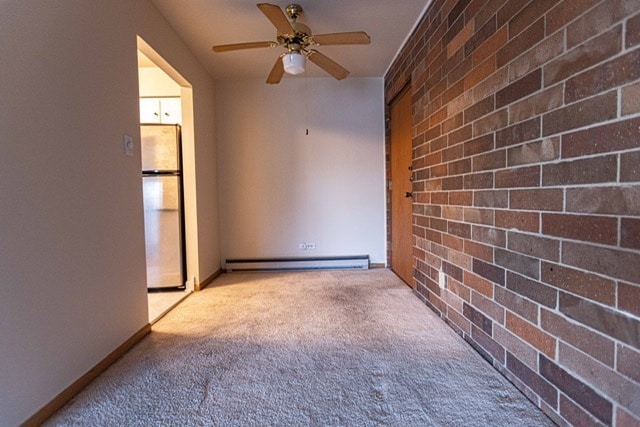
point(294, 63)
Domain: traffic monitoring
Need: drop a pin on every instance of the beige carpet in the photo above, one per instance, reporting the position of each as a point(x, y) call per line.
point(161, 302)
point(324, 348)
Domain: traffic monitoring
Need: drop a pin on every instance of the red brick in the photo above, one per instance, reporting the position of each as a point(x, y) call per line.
point(616, 136)
point(516, 346)
point(607, 381)
point(461, 38)
point(608, 321)
point(454, 243)
point(534, 245)
point(520, 177)
point(490, 161)
point(454, 213)
point(477, 181)
point(537, 104)
point(452, 123)
point(519, 220)
point(583, 113)
point(460, 135)
point(519, 89)
point(491, 123)
point(487, 344)
point(630, 233)
point(596, 229)
point(624, 200)
point(592, 343)
point(531, 334)
point(631, 98)
point(459, 229)
point(529, 14)
point(489, 235)
point(599, 19)
point(581, 283)
point(566, 12)
point(532, 289)
point(531, 379)
point(584, 395)
point(478, 250)
point(478, 145)
point(477, 318)
point(453, 92)
point(629, 298)
point(452, 183)
point(489, 271)
point(463, 198)
point(508, 11)
point(537, 199)
point(625, 419)
point(479, 73)
point(519, 133)
point(488, 10)
point(575, 415)
point(519, 305)
point(517, 262)
point(537, 56)
point(478, 284)
point(491, 198)
point(491, 46)
point(583, 171)
point(633, 31)
point(609, 75)
point(584, 56)
point(479, 109)
point(478, 216)
point(491, 84)
point(534, 152)
point(628, 362)
point(453, 153)
point(521, 43)
point(481, 35)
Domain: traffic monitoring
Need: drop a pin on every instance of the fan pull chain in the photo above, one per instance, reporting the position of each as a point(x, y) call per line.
point(306, 104)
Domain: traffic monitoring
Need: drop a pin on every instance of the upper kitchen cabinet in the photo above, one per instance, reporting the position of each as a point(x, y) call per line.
point(161, 110)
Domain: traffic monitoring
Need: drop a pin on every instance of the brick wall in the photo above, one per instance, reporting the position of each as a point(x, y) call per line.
point(526, 152)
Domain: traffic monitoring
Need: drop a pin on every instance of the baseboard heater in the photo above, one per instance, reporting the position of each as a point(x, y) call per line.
point(315, 263)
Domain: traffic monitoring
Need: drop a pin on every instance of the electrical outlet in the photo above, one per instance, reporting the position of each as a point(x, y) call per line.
point(127, 141)
point(311, 245)
point(442, 279)
point(302, 246)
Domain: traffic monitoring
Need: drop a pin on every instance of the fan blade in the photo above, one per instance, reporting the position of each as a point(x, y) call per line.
point(277, 18)
point(330, 66)
point(276, 72)
point(356, 37)
point(240, 46)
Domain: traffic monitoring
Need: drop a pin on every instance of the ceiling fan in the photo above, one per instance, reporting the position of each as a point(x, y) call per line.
point(299, 42)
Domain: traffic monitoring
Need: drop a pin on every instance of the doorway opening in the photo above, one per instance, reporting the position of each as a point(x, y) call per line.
point(168, 180)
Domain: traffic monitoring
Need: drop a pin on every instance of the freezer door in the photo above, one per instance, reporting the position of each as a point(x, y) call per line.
point(159, 147)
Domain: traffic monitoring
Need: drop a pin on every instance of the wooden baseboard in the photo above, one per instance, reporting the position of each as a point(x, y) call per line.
point(377, 265)
point(67, 394)
point(200, 286)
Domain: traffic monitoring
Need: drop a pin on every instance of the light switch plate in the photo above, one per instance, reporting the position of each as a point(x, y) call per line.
point(127, 140)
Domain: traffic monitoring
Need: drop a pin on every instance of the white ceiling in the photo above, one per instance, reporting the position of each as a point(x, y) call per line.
point(204, 23)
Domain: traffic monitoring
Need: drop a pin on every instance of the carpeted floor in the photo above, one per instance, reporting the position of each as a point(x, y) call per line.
point(324, 348)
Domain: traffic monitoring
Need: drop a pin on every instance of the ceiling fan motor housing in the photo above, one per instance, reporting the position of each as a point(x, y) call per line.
point(293, 11)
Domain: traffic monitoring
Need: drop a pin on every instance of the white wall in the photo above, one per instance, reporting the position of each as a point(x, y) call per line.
point(281, 187)
point(72, 270)
point(155, 82)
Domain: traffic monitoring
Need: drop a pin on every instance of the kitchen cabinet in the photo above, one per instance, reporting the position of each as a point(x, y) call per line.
point(161, 110)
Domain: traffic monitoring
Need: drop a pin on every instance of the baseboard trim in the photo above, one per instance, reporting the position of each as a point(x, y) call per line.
point(208, 280)
point(67, 394)
point(298, 263)
point(378, 265)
